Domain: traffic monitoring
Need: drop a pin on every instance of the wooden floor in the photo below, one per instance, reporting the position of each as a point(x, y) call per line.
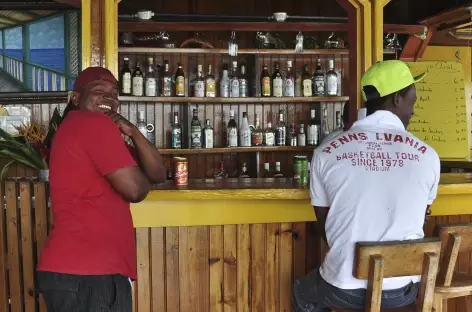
point(8, 84)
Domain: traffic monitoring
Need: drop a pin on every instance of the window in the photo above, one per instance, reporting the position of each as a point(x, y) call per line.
point(14, 42)
point(46, 40)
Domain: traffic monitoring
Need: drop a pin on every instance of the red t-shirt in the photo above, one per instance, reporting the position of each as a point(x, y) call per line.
point(92, 230)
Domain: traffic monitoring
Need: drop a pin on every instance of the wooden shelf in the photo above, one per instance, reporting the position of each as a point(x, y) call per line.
point(232, 184)
point(227, 150)
point(245, 100)
point(240, 51)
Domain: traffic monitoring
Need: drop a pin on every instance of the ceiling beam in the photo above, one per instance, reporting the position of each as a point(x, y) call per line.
point(29, 13)
point(10, 20)
point(34, 5)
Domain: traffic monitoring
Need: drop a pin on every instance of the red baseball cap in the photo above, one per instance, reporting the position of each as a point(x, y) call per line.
point(91, 74)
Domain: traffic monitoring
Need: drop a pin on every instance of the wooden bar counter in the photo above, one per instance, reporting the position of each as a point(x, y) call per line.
point(237, 245)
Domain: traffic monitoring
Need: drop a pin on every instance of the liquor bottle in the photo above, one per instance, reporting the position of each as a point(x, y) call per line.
point(150, 82)
point(179, 81)
point(331, 80)
point(265, 82)
point(319, 80)
point(339, 124)
point(245, 132)
point(158, 71)
point(210, 84)
point(257, 136)
point(166, 80)
point(267, 173)
point(278, 173)
point(232, 131)
point(306, 82)
point(234, 92)
point(125, 78)
point(269, 135)
point(301, 137)
point(244, 173)
point(325, 124)
point(199, 83)
point(138, 80)
point(176, 140)
point(289, 83)
point(313, 131)
point(207, 137)
point(280, 130)
point(243, 83)
point(292, 135)
point(195, 131)
point(141, 124)
point(277, 82)
point(224, 83)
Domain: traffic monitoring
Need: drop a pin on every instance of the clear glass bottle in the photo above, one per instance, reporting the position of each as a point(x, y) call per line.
point(199, 83)
point(232, 131)
point(195, 131)
point(280, 130)
point(244, 173)
point(325, 124)
point(292, 135)
point(257, 136)
point(210, 84)
point(245, 132)
point(207, 136)
point(331, 80)
point(265, 82)
point(267, 173)
point(269, 135)
point(150, 80)
point(278, 172)
point(166, 80)
point(141, 123)
point(221, 174)
point(313, 131)
point(243, 83)
point(179, 81)
point(125, 78)
point(234, 92)
point(176, 140)
point(306, 83)
point(277, 82)
point(138, 81)
point(301, 137)
point(225, 83)
point(289, 82)
point(339, 123)
point(319, 80)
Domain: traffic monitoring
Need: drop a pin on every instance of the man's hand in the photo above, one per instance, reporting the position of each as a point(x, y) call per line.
point(126, 127)
point(427, 214)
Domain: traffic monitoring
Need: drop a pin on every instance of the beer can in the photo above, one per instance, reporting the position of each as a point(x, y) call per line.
point(180, 171)
point(300, 170)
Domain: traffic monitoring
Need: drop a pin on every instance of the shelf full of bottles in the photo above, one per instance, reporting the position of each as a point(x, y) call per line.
point(223, 112)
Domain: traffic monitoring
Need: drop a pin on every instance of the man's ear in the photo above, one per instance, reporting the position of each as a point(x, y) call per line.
point(74, 98)
point(396, 99)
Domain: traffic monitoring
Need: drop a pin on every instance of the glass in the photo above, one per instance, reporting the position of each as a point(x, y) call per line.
point(222, 174)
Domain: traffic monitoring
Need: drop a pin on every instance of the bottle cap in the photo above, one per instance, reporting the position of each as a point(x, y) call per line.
point(289, 63)
point(277, 163)
point(266, 166)
point(231, 112)
point(199, 68)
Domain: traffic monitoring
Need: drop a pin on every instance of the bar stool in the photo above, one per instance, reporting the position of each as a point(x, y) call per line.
point(376, 261)
point(455, 239)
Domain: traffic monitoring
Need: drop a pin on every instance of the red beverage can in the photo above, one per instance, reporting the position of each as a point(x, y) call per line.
point(181, 171)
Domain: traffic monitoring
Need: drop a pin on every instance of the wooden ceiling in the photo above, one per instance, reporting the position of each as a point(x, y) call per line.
point(10, 18)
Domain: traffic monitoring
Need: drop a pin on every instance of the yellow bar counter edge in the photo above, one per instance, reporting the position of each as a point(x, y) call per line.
point(248, 206)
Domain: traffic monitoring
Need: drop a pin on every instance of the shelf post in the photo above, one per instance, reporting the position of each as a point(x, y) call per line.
point(378, 26)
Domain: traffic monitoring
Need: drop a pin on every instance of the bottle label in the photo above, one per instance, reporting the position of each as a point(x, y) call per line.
point(208, 137)
point(265, 86)
point(257, 139)
point(245, 138)
point(196, 137)
point(126, 83)
point(167, 86)
point(280, 137)
point(138, 86)
point(176, 138)
point(269, 139)
point(243, 88)
point(210, 88)
point(224, 89)
point(150, 86)
point(289, 89)
point(301, 139)
point(307, 87)
point(332, 84)
point(235, 88)
point(232, 137)
point(277, 86)
point(319, 85)
point(199, 89)
point(312, 134)
point(180, 86)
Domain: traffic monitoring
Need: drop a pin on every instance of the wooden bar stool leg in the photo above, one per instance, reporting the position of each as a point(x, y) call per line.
point(438, 304)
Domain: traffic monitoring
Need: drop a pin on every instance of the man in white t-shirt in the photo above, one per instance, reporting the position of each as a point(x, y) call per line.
point(372, 183)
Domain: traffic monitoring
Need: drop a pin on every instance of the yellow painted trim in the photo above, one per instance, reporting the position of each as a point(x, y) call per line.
point(377, 26)
point(366, 30)
point(86, 23)
point(111, 36)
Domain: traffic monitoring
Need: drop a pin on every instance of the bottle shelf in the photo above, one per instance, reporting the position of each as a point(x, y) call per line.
point(240, 100)
point(133, 50)
point(227, 150)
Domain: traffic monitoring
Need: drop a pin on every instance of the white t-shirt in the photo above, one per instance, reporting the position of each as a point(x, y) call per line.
point(377, 179)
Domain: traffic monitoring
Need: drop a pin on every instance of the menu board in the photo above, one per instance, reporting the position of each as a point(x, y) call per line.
point(441, 118)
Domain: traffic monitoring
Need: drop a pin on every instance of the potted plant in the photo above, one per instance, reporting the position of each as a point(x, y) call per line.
point(30, 146)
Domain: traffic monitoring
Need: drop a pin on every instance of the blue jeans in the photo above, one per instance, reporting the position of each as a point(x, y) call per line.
point(313, 294)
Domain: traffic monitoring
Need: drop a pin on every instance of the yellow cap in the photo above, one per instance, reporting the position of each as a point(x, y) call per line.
point(388, 77)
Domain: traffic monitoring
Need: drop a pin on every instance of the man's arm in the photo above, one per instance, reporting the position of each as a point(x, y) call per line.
point(319, 197)
point(321, 214)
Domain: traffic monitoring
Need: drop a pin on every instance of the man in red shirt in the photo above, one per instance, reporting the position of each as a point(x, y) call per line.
point(90, 255)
